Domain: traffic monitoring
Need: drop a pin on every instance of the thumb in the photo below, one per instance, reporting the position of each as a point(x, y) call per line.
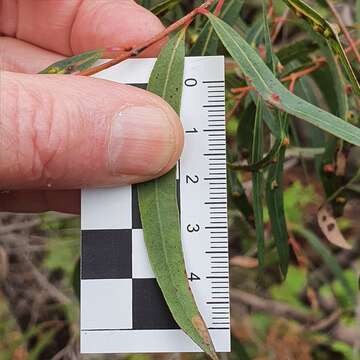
point(70, 132)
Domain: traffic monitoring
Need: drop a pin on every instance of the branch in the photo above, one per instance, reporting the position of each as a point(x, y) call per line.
point(344, 29)
point(315, 65)
point(138, 49)
point(272, 307)
point(348, 335)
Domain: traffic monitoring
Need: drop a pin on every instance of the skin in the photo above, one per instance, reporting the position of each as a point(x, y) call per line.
point(60, 133)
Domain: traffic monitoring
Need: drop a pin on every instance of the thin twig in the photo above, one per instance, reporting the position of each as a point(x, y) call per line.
point(136, 50)
point(348, 335)
point(344, 29)
point(280, 24)
point(315, 65)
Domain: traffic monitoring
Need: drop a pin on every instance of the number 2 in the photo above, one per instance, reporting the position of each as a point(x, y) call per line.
point(194, 180)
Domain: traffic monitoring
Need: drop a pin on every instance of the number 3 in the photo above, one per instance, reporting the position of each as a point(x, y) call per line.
point(191, 228)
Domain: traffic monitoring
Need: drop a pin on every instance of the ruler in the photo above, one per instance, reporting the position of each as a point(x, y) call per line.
point(122, 308)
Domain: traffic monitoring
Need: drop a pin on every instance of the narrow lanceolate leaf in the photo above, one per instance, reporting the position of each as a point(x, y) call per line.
point(264, 162)
point(160, 214)
point(275, 203)
point(329, 32)
point(75, 63)
point(163, 7)
point(273, 91)
point(207, 42)
point(238, 197)
point(257, 181)
point(296, 50)
point(270, 58)
point(333, 89)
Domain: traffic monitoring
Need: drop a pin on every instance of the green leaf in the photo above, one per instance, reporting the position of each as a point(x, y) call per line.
point(328, 31)
point(207, 42)
point(265, 161)
point(159, 210)
point(273, 91)
point(255, 33)
point(244, 131)
point(257, 181)
point(328, 258)
point(275, 204)
point(293, 51)
point(270, 58)
point(239, 198)
point(75, 63)
point(163, 7)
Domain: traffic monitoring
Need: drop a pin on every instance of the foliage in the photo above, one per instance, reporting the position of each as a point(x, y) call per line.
point(285, 62)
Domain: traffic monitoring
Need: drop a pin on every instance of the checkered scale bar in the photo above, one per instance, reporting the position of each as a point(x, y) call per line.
point(122, 307)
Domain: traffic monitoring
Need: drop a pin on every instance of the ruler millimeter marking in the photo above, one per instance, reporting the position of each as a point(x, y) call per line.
point(122, 308)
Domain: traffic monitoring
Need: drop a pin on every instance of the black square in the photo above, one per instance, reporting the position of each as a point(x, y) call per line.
point(106, 254)
point(149, 307)
point(135, 211)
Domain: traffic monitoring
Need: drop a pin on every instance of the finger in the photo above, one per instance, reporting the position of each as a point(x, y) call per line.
point(70, 132)
point(68, 27)
point(33, 201)
point(20, 56)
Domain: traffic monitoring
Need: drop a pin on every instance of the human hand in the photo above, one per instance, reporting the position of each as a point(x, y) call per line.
point(60, 133)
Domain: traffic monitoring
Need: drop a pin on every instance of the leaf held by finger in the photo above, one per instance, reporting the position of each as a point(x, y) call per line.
point(75, 63)
point(160, 214)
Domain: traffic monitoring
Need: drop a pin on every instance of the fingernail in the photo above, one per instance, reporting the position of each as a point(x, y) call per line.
point(142, 141)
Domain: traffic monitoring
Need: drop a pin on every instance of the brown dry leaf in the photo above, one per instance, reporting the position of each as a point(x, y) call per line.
point(244, 261)
point(328, 226)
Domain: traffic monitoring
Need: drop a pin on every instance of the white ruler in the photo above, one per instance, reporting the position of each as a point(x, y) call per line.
point(122, 309)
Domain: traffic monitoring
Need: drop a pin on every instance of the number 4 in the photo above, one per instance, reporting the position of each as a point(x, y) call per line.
point(193, 277)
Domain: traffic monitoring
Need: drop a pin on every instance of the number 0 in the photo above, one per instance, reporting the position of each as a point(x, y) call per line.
point(190, 82)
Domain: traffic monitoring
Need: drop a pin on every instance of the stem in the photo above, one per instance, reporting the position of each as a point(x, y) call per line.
point(317, 63)
point(344, 29)
point(292, 77)
point(136, 50)
point(218, 8)
point(280, 23)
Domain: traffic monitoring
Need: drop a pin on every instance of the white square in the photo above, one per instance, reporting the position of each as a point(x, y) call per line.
point(106, 304)
point(106, 208)
point(140, 261)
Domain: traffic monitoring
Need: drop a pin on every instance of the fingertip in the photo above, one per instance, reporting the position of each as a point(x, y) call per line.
point(178, 135)
point(113, 23)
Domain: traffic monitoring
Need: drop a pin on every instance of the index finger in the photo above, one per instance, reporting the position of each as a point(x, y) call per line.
point(72, 27)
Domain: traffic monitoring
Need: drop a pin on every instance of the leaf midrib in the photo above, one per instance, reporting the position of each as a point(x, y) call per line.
point(157, 200)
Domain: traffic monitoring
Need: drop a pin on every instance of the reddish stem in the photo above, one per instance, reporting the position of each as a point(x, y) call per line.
point(136, 50)
point(294, 76)
point(344, 29)
point(218, 8)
